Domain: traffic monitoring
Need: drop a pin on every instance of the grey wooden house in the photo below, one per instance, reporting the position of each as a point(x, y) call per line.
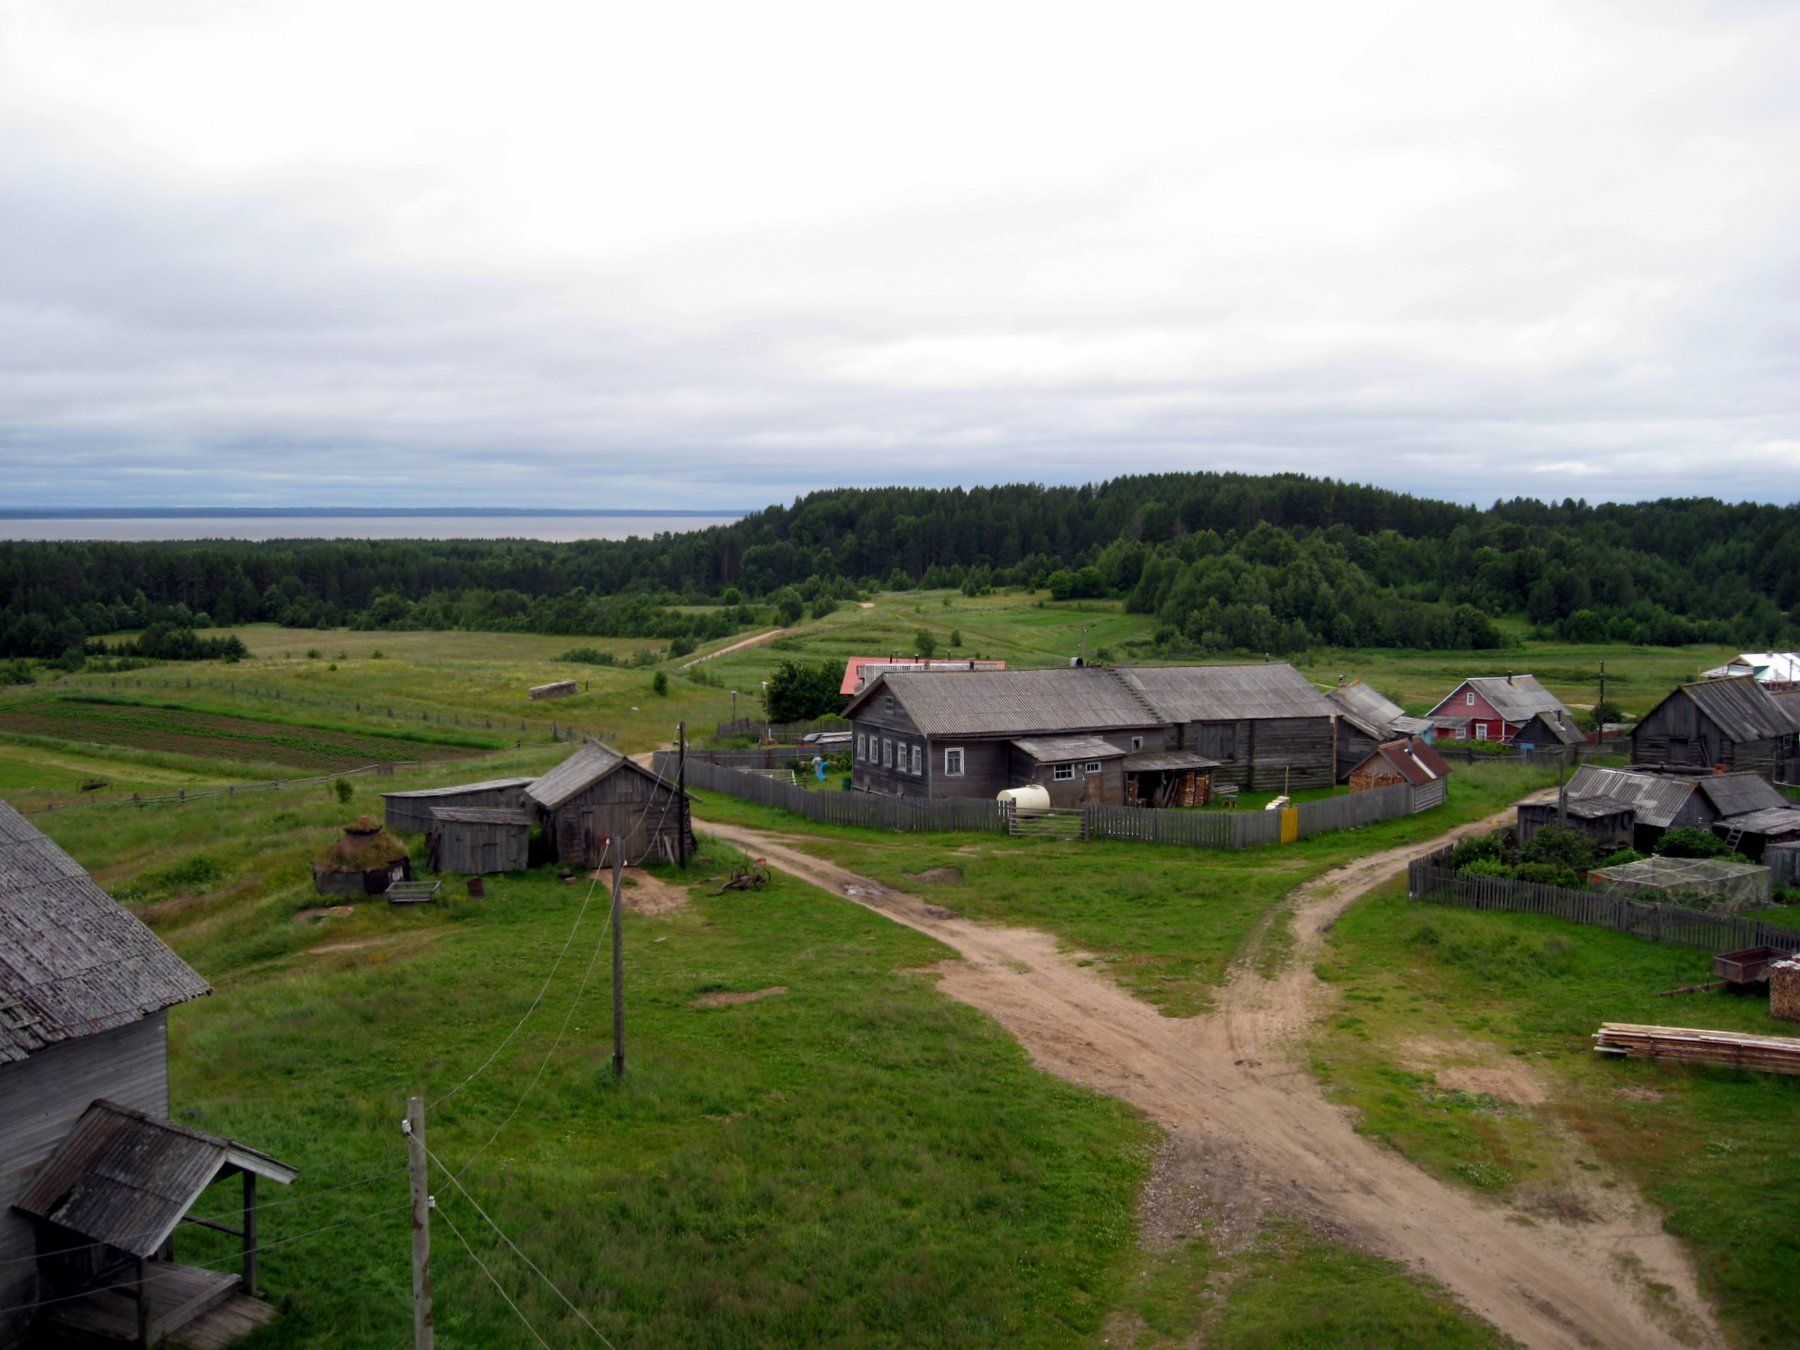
point(1721, 725)
point(596, 792)
point(412, 810)
point(1092, 734)
point(94, 1177)
point(1367, 719)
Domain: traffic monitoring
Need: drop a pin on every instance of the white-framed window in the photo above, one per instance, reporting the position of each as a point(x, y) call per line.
point(918, 761)
point(1462, 733)
point(887, 753)
point(1092, 766)
point(1062, 773)
point(1137, 742)
point(1481, 731)
point(862, 747)
point(953, 762)
point(1469, 698)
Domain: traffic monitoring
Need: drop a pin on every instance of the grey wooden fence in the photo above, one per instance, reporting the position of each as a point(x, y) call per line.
point(1194, 829)
point(1355, 809)
point(833, 807)
point(762, 757)
point(1431, 880)
point(182, 796)
point(779, 731)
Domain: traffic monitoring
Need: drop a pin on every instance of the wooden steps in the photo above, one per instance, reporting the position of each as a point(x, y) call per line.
point(1690, 1045)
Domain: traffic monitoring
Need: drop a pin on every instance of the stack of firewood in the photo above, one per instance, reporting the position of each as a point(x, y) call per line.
point(1784, 990)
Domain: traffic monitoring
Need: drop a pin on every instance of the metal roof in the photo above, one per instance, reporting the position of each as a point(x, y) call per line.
point(480, 815)
point(72, 961)
point(1227, 693)
point(461, 789)
point(1517, 698)
point(1742, 709)
point(1766, 667)
point(1372, 713)
point(1152, 761)
point(1413, 759)
point(1732, 794)
point(580, 771)
point(860, 670)
point(125, 1178)
point(1055, 749)
point(1014, 702)
point(1773, 820)
point(1656, 799)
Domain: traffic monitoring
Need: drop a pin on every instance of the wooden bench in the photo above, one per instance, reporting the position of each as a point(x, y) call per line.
point(413, 892)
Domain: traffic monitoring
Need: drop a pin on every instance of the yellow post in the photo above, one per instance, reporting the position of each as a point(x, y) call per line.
point(1290, 824)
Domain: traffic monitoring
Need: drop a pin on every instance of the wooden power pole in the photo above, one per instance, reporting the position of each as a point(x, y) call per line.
point(681, 828)
point(618, 950)
point(421, 1222)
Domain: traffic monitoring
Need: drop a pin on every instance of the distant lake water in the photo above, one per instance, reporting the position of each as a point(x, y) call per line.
point(554, 528)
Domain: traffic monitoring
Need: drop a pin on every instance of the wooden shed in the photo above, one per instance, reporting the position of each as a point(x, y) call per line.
point(1367, 719)
point(555, 689)
point(1409, 760)
point(366, 860)
point(94, 1177)
point(1726, 724)
point(596, 798)
point(412, 810)
point(478, 840)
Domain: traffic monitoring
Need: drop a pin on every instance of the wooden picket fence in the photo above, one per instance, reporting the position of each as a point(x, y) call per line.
point(762, 757)
point(1349, 812)
point(1432, 881)
point(779, 731)
point(832, 807)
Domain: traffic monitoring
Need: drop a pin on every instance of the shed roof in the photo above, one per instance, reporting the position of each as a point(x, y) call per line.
point(1517, 698)
point(72, 961)
point(1655, 798)
point(1372, 713)
point(1055, 749)
point(1228, 693)
point(1413, 759)
point(1560, 726)
point(1732, 794)
point(1742, 709)
point(463, 789)
point(580, 771)
point(1769, 821)
point(480, 815)
point(125, 1177)
point(1013, 702)
point(1166, 761)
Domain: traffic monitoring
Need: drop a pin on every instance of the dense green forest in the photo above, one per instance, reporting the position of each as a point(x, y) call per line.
point(1225, 561)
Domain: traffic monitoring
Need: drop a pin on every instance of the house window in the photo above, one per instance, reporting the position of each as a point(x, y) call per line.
point(1462, 733)
point(1468, 698)
point(1137, 742)
point(918, 761)
point(887, 702)
point(887, 753)
point(862, 748)
point(1092, 766)
point(1481, 731)
point(1062, 773)
point(953, 763)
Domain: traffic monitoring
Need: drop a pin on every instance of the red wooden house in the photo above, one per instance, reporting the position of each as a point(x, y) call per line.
point(1504, 708)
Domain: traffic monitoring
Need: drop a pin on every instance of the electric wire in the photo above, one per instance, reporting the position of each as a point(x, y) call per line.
point(491, 1280)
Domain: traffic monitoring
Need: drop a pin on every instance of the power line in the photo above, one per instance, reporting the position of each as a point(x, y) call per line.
point(567, 1301)
point(491, 1280)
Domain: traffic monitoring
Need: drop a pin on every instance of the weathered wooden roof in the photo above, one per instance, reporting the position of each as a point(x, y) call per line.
point(125, 1178)
point(1742, 709)
point(1517, 698)
point(72, 961)
point(1372, 713)
point(1732, 794)
point(1412, 758)
point(580, 771)
point(1151, 761)
point(464, 789)
point(1058, 749)
point(1227, 693)
point(1656, 798)
point(1775, 820)
point(1013, 702)
point(480, 815)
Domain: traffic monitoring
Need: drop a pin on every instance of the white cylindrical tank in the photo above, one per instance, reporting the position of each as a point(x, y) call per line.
point(1031, 800)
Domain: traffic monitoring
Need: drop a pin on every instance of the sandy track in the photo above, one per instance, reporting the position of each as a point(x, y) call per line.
point(755, 640)
point(1229, 1084)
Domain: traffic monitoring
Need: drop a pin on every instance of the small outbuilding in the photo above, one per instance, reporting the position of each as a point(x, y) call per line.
point(477, 840)
point(597, 792)
point(555, 689)
point(1409, 760)
point(1724, 725)
point(412, 810)
point(365, 861)
point(1367, 719)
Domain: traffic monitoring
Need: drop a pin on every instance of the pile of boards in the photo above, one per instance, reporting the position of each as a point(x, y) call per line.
point(1689, 1045)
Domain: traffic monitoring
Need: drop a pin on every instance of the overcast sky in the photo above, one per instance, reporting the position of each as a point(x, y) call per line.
point(673, 255)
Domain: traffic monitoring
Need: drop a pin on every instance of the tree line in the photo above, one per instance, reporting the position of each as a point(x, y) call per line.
point(1224, 561)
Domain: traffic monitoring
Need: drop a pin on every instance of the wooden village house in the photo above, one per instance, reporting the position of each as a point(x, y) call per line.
point(1721, 725)
point(1152, 736)
point(1409, 760)
point(1366, 720)
point(1506, 709)
point(1623, 808)
point(597, 791)
point(95, 1179)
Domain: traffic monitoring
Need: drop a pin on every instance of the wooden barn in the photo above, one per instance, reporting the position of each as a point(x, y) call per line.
point(1621, 808)
point(95, 1180)
point(1409, 760)
point(412, 810)
point(478, 840)
point(1719, 725)
point(1504, 709)
point(1153, 736)
point(1366, 720)
point(596, 790)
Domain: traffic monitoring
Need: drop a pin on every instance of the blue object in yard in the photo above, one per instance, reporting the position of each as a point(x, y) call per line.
point(819, 767)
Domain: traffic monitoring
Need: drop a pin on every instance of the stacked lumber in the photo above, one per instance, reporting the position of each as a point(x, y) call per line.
point(1689, 1045)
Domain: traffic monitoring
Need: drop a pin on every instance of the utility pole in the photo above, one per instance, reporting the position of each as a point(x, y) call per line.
point(1600, 709)
point(422, 1203)
point(681, 830)
point(618, 951)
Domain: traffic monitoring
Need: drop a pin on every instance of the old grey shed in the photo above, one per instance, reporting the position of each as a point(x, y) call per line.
point(478, 840)
point(596, 794)
point(412, 810)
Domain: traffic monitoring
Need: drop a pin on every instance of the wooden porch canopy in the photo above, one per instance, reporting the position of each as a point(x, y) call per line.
point(126, 1180)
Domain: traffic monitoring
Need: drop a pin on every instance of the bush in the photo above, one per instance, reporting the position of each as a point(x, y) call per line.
point(1619, 859)
point(682, 646)
point(1480, 848)
point(589, 656)
point(1487, 867)
point(659, 684)
point(1568, 849)
point(312, 653)
point(344, 790)
point(955, 638)
point(924, 643)
point(799, 692)
point(17, 672)
point(1688, 842)
point(1551, 874)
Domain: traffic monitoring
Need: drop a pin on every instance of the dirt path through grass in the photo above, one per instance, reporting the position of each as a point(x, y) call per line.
point(755, 640)
point(1232, 1084)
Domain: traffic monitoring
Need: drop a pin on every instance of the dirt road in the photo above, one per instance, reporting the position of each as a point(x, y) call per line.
point(755, 640)
point(1228, 1086)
